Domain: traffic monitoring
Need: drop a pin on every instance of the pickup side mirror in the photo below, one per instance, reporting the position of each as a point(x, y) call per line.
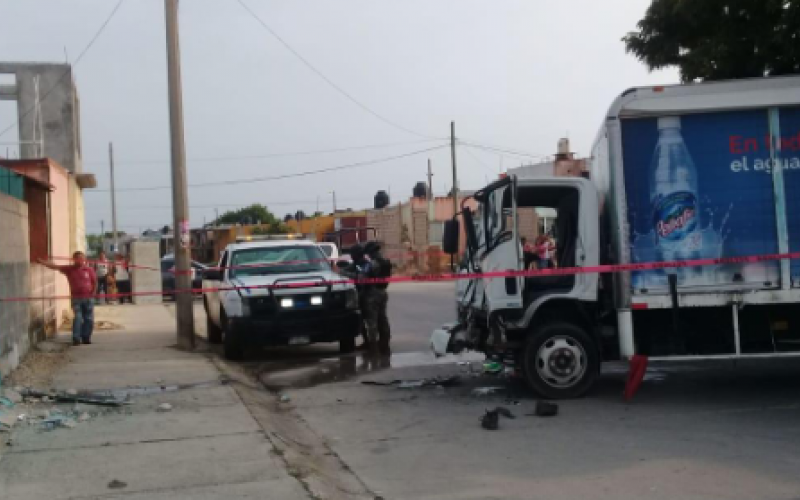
point(212, 275)
point(451, 236)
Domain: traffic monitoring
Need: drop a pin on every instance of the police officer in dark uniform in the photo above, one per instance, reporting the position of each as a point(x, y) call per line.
point(372, 296)
point(380, 267)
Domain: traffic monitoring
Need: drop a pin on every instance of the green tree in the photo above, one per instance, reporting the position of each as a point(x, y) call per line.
point(253, 214)
point(94, 243)
point(719, 39)
point(274, 228)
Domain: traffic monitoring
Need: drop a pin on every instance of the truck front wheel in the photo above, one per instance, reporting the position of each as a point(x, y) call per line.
point(560, 361)
point(232, 342)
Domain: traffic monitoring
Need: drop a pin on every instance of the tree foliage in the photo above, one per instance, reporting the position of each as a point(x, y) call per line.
point(254, 214)
point(274, 228)
point(719, 39)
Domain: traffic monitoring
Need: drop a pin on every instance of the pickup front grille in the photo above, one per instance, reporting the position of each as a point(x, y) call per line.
point(266, 307)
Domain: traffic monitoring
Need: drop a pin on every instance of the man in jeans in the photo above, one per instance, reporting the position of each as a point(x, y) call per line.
point(82, 288)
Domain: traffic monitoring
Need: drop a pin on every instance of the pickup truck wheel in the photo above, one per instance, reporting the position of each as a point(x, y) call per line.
point(232, 342)
point(347, 345)
point(560, 361)
point(212, 330)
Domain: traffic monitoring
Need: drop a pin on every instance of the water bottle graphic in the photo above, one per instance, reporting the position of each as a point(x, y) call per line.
point(674, 199)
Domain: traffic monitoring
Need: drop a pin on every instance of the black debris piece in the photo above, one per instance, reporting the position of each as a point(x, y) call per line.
point(491, 420)
point(546, 409)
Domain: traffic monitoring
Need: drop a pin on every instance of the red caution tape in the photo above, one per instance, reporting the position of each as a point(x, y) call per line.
point(607, 268)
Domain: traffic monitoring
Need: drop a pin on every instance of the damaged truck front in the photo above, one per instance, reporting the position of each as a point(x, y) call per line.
point(678, 173)
point(546, 324)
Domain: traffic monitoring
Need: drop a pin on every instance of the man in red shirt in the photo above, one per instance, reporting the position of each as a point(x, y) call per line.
point(82, 288)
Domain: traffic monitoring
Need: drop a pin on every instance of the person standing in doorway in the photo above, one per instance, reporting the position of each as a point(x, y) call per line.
point(528, 253)
point(101, 267)
point(82, 288)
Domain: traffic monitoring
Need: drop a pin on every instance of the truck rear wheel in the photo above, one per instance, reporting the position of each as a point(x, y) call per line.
point(560, 361)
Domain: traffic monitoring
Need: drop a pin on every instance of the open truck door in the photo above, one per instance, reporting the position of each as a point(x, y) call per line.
point(502, 251)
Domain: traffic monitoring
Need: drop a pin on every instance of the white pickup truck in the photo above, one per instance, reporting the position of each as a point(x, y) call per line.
point(244, 311)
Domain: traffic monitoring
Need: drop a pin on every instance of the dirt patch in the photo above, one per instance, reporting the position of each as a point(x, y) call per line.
point(37, 369)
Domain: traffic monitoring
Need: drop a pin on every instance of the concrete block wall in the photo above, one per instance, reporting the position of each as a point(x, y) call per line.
point(145, 254)
point(14, 277)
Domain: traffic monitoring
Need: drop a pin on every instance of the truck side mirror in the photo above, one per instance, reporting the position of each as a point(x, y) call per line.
point(451, 236)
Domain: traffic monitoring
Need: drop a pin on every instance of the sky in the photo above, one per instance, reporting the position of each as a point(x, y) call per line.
point(512, 74)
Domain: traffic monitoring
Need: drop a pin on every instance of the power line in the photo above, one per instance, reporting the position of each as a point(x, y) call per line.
point(63, 75)
point(478, 160)
point(236, 205)
point(326, 79)
point(498, 149)
point(271, 155)
point(284, 176)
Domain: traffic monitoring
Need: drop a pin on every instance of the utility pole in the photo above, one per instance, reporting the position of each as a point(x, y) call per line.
point(334, 201)
point(455, 176)
point(184, 308)
point(114, 234)
point(430, 180)
point(431, 210)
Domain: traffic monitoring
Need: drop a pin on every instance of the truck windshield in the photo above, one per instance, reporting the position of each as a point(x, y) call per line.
point(278, 260)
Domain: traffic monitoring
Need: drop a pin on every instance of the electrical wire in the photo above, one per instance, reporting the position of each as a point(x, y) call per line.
point(498, 149)
point(478, 160)
point(267, 155)
point(68, 70)
point(280, 177)
point(328, 80)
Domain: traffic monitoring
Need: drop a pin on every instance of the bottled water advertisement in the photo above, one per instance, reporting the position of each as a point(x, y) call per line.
point(701, 186)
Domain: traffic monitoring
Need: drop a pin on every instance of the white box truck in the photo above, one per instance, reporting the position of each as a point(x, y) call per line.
point(677, 173)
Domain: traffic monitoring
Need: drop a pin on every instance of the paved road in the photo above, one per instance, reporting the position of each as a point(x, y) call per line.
point(704, 431)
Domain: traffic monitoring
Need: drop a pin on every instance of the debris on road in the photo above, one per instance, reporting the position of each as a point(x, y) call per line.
point(284, 398)
point(75, 398)
point(57, 421)
point(491, 419)
point(164, 407)
point(116, 484)
point(492, 367)
point(486, 391)
point(12, 396)
point(441, 381)
point(545, 409)
point(504, 412)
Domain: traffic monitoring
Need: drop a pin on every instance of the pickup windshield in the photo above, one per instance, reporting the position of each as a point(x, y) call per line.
point(278, 260)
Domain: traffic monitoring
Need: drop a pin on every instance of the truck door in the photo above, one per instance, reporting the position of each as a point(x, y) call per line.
point(503, 251)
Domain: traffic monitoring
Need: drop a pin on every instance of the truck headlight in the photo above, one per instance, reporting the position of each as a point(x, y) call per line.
point(351, 299)
point(287, 303)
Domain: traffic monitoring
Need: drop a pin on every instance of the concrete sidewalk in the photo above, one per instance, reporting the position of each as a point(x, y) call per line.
point(208, 446)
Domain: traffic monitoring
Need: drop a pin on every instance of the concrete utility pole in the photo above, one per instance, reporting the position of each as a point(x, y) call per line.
point(334, 201)
point(180, 198)
point(455, 176)
point(430, 180)
point(114, 234)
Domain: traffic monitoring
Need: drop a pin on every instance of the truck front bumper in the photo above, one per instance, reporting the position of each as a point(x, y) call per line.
point(297, 328)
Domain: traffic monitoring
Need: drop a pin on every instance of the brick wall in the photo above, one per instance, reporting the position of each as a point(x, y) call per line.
point(14, 272)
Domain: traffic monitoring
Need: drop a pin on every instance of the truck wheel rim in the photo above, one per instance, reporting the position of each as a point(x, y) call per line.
point(561, 362)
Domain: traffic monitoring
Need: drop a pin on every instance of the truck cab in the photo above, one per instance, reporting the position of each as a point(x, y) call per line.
point(544, 322)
